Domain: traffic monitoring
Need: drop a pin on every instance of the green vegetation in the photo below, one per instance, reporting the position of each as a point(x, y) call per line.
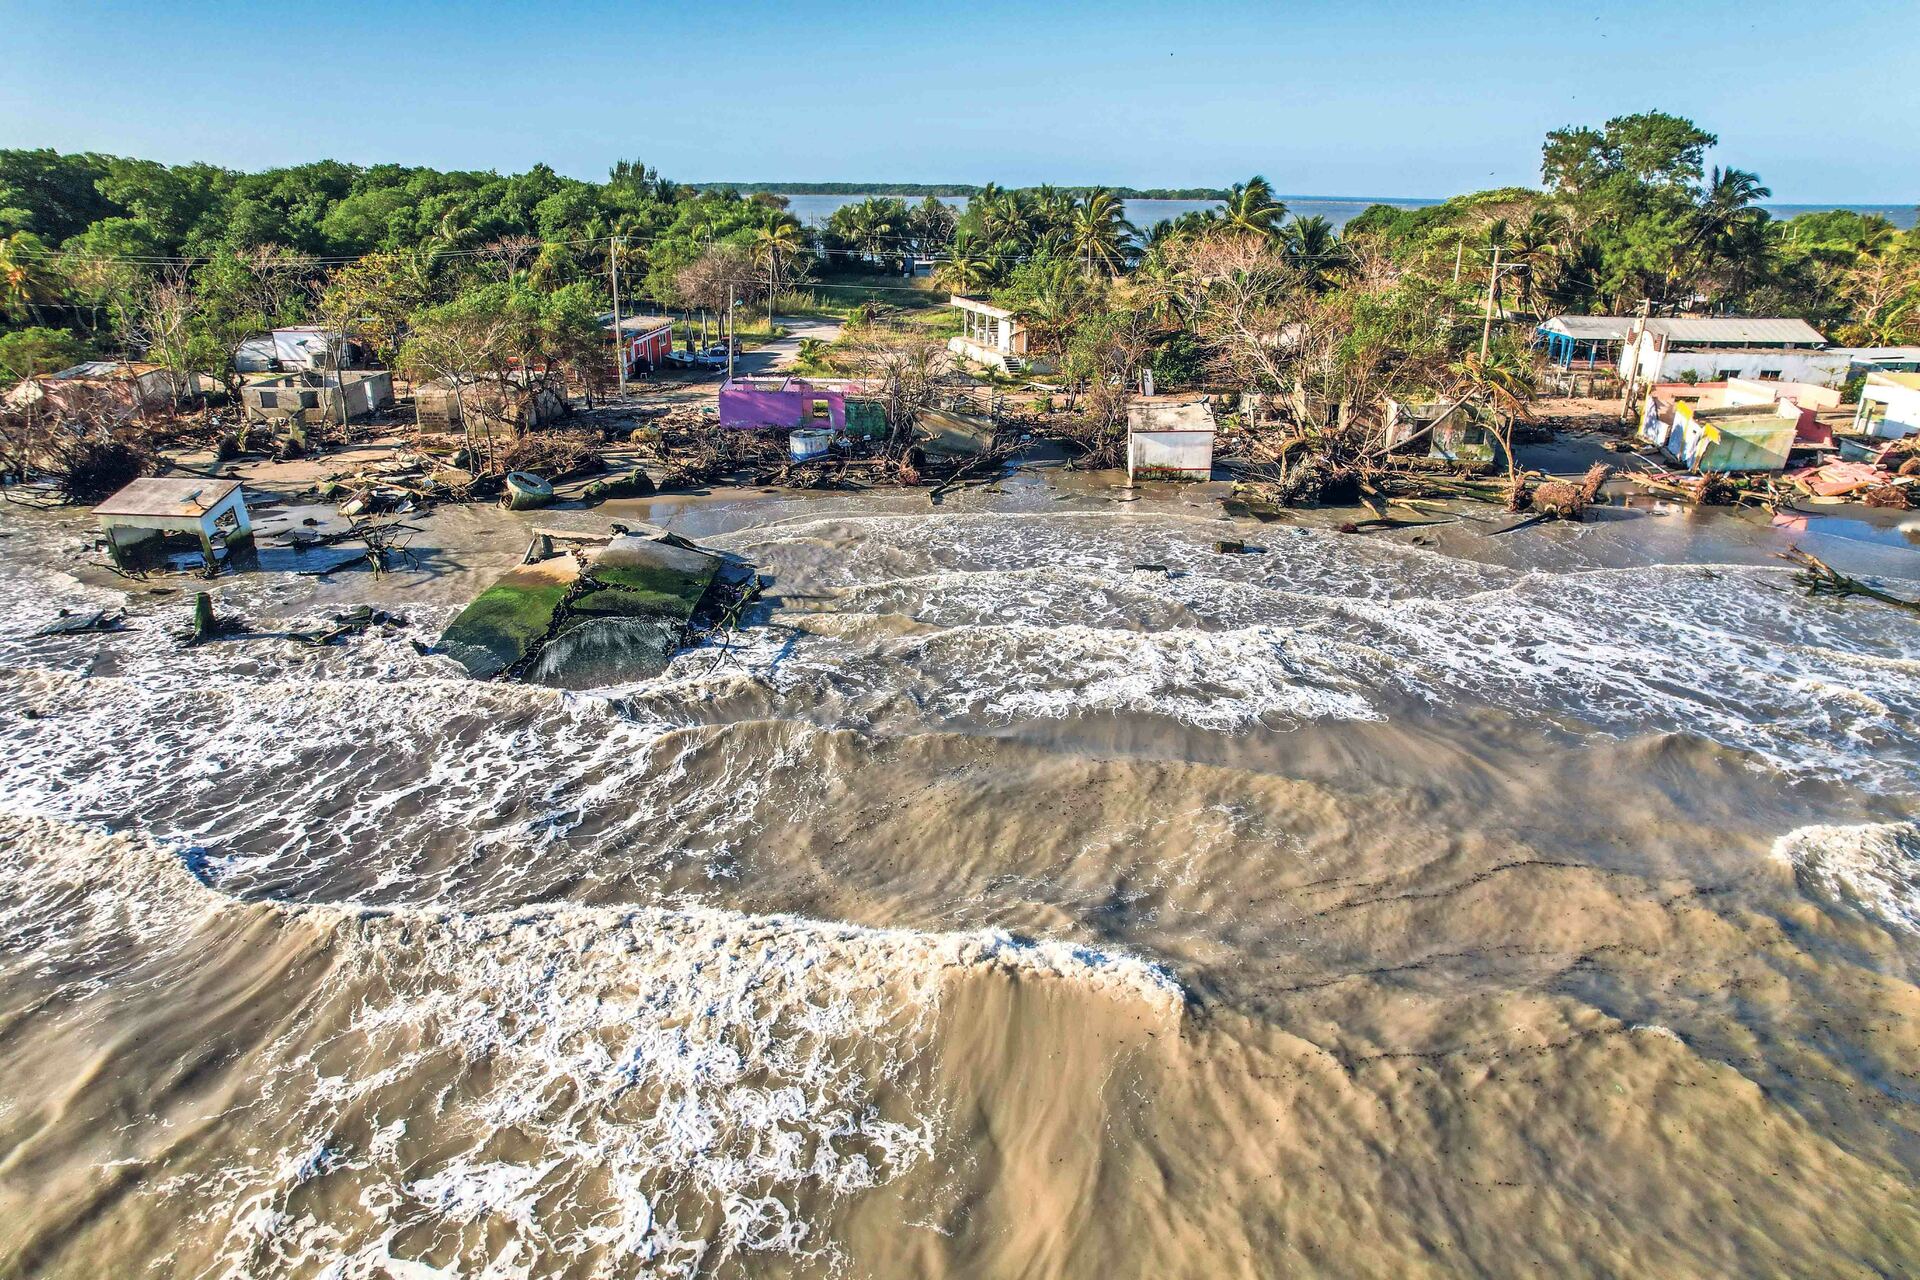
point(179, 263)
point(493, 274)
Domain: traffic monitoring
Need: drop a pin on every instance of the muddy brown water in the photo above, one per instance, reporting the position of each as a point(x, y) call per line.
point(1424, 904)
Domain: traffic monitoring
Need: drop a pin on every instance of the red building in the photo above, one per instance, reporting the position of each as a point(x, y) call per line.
point(644, 340)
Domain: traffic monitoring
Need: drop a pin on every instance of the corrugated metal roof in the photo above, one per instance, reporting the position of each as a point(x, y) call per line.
point(1746, 331)
point(1591, 328)
point(1863, 355)
point(94, 369)
point(171, 496)
point(634, 324)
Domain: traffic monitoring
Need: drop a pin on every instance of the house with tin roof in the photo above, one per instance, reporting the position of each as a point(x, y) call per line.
point(1715, 348)
point(1583, 342)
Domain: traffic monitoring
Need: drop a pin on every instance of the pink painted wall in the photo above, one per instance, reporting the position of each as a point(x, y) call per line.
point(746, 407)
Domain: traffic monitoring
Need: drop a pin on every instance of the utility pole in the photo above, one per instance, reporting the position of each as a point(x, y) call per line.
point(1633, 370)
point(1493, 283)
point(1459, 249)
point(619, 335)
point(730, 302)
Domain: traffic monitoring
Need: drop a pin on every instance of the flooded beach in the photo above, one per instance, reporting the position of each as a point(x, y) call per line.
point(1028, 889)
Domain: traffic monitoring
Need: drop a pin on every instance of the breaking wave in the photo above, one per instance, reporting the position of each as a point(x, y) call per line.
point(634, 1088)
point(1875, 867)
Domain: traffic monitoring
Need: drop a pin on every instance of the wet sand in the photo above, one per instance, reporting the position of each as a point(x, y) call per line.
point(1430, 903)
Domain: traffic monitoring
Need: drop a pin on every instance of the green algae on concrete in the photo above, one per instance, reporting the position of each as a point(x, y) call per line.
point(526, 621)
point(510, 618)
point(643, 577)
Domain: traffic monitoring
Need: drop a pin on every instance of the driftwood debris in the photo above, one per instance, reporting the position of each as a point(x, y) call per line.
point(1822, 579)
point(73, 624)
point(351, 623)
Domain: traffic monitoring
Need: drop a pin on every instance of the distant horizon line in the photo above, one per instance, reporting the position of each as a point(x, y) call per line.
point(798, 188)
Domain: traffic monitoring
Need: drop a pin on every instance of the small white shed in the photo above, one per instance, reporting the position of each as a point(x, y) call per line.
point(1169, 438)
point(1889, 406)
point(213, 512)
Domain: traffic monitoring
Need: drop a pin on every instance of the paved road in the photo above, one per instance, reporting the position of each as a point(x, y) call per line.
point(782, 352)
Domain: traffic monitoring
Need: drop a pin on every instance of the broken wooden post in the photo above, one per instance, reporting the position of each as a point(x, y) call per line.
point(203, 623)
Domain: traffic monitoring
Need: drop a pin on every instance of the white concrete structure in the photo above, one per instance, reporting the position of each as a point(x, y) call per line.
point(318, 397)
point(989, 335)
point(1744, 393)
point(1889, 406)
point(1169, 438)
point(298, 348)
point(213, 512)
point(1721, 347)
point(311, 346)
point(255, 355)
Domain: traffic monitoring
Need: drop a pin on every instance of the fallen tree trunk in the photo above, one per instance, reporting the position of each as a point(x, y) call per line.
point(1821, 578)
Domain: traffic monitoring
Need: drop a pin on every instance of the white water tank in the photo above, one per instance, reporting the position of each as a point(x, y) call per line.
point(809, 443)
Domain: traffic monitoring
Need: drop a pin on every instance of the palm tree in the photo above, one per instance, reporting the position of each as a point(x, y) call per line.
point(27, 277)
point(1251, 206)
point(1156, 278)
point(1505, 381)
point(812, 356)
point(777, 242)
point(999, 214)
point(1056, 306)
point(874, 226)
point(1535, 251)
point(1101, 232)
point(1314, 250)
point(966, 270)
point(1731, 199)
point(1730, 222)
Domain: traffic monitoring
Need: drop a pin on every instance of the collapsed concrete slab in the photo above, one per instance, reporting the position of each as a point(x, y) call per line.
point(508, 620)
point(588, 617)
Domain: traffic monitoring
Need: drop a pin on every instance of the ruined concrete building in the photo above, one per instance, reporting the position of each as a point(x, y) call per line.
point(442, 404)
point(117, 389)
point(143, 518)
point(312, 397)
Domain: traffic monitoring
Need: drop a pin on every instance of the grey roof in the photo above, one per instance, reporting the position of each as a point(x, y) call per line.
point(634, 324)
point(1746, 331)
point(1862, 355)
point(1591, 328)
point(188, 496)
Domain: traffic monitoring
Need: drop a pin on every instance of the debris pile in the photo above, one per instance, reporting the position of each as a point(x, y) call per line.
point(1566, 499)
point(1876, 484)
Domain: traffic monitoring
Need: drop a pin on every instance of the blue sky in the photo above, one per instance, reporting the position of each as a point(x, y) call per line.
point(1356, 98)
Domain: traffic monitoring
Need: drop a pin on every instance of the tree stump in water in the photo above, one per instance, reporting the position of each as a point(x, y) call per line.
point(203, 622)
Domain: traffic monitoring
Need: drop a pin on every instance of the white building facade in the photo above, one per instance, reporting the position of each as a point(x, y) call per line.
point(989, 335)
point(1721, 347)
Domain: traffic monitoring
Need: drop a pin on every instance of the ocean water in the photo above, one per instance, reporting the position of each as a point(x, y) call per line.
point(1338, 210)
point(1426, 903)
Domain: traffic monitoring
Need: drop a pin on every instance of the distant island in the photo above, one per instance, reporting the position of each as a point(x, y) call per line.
point(917, 189)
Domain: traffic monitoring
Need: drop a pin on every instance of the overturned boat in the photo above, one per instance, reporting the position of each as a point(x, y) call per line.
point(588, 610)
